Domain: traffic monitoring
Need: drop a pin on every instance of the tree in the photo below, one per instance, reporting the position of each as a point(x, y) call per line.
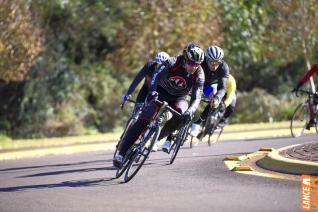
point(21, 40)
point(292, 31)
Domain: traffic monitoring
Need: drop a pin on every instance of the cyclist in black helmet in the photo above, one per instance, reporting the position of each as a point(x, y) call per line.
point(171, 83)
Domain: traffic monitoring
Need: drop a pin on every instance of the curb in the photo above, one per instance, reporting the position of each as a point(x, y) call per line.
point(275, 162)
point(59, 150)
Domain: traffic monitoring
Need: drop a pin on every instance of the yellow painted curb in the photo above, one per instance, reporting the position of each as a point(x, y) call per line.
point(275, 162)
point(242, 168)
point(266, 149)
point(234, 158)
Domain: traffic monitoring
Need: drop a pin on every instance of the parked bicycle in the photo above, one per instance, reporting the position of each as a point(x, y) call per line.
point(211, 125)
point(139, 152)
point(301, 117)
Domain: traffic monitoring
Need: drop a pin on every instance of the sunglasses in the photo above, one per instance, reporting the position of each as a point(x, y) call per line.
point(214, 62)
point(192, 64)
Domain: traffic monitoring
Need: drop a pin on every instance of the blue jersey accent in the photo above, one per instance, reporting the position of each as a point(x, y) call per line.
point(207, 90)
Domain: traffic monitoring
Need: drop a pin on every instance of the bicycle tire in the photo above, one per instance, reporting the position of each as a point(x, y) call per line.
point(122, 170)
point(316, 124)
point(203, 132)
point(153, 135)
point(300, 118)
point(181, 136)
point(129, 124)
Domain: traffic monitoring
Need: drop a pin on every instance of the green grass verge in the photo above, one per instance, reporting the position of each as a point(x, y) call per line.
point(7, 143)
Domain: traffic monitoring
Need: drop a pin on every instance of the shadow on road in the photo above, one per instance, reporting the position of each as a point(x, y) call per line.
point(73, 184)
point(56, 165)
point(69, 171)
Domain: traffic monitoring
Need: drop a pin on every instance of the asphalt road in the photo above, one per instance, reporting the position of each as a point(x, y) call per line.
point(197, 181)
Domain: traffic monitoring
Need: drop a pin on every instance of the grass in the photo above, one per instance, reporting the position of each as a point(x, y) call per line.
point(8, 143)
point(51, 142)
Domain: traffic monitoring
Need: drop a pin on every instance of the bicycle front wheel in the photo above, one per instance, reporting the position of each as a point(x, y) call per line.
point(141, 154)
point(181, 136)
point(129, 124)
point(316, 125)
point(299, 120)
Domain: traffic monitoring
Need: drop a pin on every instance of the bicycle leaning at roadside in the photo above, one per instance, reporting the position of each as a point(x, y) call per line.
point(312, 104)
point(304, 114)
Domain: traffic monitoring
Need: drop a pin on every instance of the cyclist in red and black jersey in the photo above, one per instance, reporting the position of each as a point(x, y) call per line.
point(310, 72)
point(145, 73)
point(171, 83)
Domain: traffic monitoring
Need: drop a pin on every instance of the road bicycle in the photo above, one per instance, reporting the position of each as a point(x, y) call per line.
point(301, 116)
point(211, 126)
point(139, 152)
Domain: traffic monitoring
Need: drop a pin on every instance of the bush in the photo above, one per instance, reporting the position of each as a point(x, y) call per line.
point(259, 106)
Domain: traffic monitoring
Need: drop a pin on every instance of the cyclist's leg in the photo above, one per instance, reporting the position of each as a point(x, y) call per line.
point(312, 121)
point(135, 131)
point(229, 110)
point(180, 105)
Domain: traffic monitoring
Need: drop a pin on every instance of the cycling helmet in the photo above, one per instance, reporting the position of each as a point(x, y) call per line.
point(214, 53)
point(161, 57)
point(194, 53)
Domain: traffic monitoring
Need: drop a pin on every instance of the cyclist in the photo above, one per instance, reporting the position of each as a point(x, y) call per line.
point(216, 71)
point(145, 73)
point(229, 99)
point(171, 83)
point(310, 72)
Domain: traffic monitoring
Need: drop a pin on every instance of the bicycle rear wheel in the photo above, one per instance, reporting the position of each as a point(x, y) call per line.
point(205, 128)
point(181, 136)
point(141, 154)
point(299, 120)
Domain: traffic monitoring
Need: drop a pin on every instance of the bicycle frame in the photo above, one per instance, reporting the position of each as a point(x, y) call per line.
point(211, 122)
point(140, 148)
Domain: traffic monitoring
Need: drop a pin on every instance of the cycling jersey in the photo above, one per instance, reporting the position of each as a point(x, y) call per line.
point(219, 76)
point(174, 79)
point(230, 91)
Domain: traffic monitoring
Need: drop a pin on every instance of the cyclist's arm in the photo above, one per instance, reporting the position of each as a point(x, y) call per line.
point(197, 91)
point(139, 77)
point(222, 82)
point(230, 91)
point(314, 69)
point(160, 72)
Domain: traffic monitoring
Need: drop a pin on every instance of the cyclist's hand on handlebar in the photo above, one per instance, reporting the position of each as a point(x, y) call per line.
point(151, 95)
point(215, 102)
point(124, 99)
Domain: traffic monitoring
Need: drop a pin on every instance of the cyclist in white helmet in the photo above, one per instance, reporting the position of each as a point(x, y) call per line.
point(216, 71)
point(145, 73)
